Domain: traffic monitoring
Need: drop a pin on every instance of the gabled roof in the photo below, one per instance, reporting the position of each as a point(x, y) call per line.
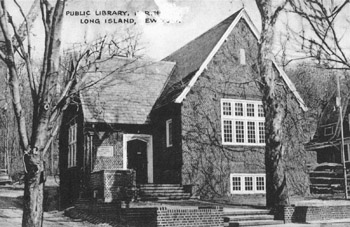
point(329, 118)
point(127, 91)
point(193, 58)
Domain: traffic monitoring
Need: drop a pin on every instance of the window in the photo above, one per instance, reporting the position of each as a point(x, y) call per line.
point(328, 131)
point(242, 56)
point(242, 183)
point(72, 146)
point(169, 133)
point(347, 152)
point(243, 122)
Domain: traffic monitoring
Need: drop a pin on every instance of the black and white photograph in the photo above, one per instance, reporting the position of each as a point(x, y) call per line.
point(174, 113)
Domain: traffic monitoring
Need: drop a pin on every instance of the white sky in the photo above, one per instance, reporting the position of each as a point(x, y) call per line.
point(187, 19)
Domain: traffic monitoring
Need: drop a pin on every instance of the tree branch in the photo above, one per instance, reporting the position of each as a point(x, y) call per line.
point(14, 82)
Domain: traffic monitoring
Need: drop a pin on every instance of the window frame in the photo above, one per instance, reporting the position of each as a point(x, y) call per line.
point(169, 132)
point(72, 146)
point(228, 133)
point(327, 128)
point(242, 57)
point(243, 186)
point(347, 152)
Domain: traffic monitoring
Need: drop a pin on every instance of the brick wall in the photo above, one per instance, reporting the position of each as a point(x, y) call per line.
point(106, 138)
point(162, 216)
point(167, 160)
point(206, 162)
point(113, 184)
point(190, 217)
point(315, 213)
point(153, 216)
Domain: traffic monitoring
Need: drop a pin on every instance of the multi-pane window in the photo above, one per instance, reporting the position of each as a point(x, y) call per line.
point(261, 132)
point(239, 131)
point(243, 122)
point(72, 146)
point(248, 183)
point(245, 183)
point(226, 108)
point(238, 109)
point(228, 131)
point(261, 112)
point(260, 184)
point(169, 133)
point(236, 183)
point(250, 110)
point(251, 131)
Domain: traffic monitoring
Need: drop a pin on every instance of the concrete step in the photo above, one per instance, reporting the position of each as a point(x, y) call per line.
point(158, 185)
point(236, 218)
point(162, 193)
point(256, 223)
point(162, 189)
point(170, 197)
point(245, 212)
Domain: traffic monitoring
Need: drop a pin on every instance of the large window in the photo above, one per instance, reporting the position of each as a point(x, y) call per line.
point(169, 133)
point(242, 183)
point(243, 122)
point(72, 146)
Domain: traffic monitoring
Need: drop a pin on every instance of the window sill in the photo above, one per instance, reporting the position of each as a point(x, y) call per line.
point(248, 193)
point(245, 144)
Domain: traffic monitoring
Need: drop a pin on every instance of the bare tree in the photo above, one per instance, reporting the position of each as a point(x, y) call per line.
point(274, 105)
point(52, 89)
point(324, 34)
point(44, 110)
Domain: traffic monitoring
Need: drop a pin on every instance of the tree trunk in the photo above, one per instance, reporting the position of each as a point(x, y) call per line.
point(274, 103)
point(43, 99)
point(276, 187)
point(33, 191)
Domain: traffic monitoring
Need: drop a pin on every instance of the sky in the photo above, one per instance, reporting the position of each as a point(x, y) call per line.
point(178, 22)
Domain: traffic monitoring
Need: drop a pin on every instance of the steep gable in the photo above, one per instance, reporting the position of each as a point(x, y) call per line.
point(193, 58)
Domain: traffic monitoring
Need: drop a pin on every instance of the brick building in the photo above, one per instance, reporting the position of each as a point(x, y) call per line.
point(194, 118)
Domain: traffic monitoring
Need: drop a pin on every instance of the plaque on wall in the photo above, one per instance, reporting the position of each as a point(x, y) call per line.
point(105, 151)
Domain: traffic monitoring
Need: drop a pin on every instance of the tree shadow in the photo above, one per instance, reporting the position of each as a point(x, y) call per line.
point(8, 202)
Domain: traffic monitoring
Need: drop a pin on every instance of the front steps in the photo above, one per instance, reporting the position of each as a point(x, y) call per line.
point(237, 218)
point(156, 192)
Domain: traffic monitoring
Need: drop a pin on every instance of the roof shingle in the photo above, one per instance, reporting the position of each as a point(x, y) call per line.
point(126, 92)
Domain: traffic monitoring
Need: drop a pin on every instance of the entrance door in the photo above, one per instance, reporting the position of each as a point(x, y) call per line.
point(137, 159)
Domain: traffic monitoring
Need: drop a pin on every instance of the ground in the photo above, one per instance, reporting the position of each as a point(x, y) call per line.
point(11, 211)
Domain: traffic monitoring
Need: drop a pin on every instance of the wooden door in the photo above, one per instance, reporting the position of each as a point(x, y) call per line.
point(137, 159)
